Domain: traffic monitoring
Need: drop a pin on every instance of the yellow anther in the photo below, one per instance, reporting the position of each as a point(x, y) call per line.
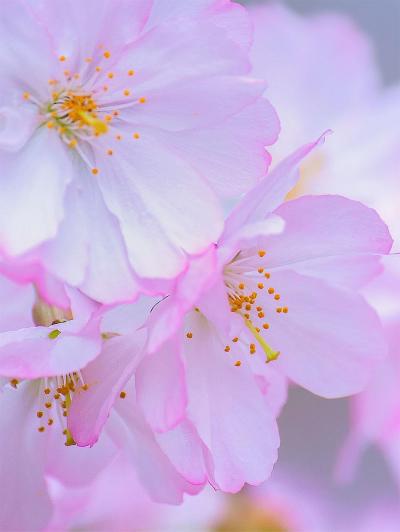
point(267, 275)
point(88, 60)
point(260, 270)
point(47, 405)
point(279, 310)
point(85, 387)
point(62, 58)
point(285, 310)
point(127, 92)
point(95, 171)
point(260, 286)
point(189, 335)
point(98, 69)
point(110, 75)
point(265, 325)
point(39, 414)
point(237, 363)
point(271, 290)
point(41, 429)
point(136, 136)
point(50, 422)
point(227, 349)
point(142, 100)
point(122, 395)
point(261, 252)
point(236, 339)
point(131, 72)
point(277, 297)
point(73, 143)
point(241, 286)
point(47, 391)
point(118, 137)
point(107, 54)
point(109, 152)
point(26, 95)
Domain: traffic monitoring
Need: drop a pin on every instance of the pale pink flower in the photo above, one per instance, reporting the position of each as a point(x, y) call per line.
point(120, 123)
point(279, 287)
point(44, 352)
point(322, 73)
point(375, 413)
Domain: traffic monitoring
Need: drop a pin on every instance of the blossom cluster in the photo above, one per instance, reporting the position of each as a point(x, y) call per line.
point(167, 270)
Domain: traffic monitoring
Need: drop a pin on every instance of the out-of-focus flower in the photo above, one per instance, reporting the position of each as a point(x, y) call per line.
point(116, 501)
point(43, 359)
point(131, 116)
point(321, 74)
point(375, 413)
point(278, 287)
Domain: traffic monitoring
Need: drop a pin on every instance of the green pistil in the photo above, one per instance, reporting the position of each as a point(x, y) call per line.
point(54, 334)
point(270, 353)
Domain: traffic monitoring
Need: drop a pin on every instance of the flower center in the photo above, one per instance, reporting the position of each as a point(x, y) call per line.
point(75, 114)
point(54, 400)
point(83, 104)
point(246, 280)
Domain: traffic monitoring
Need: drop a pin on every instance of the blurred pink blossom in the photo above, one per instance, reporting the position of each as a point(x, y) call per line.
point(321, 73)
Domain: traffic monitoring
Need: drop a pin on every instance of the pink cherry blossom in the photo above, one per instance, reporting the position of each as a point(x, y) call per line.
point(279, 287)
point(325, 76)
point(375, 413)
point(130, 120)
point(44, 352)
point(300, 280)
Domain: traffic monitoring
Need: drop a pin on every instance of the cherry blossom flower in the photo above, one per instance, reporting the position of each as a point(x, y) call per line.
point(279, 287)
point(44, 351)
point(130, 120)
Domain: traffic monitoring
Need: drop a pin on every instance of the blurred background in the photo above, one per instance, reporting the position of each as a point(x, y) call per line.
point(380, 19)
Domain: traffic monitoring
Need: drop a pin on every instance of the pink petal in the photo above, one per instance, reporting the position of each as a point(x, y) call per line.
point(105, 376)
point(31, 353)
point(156, 472)
point(19, 300)
point(335, 337)
point(161, 388)
point(231, 154)
point(198, 103)
point(89, 251)
point(155, 225)
point(326, 226)
point(24, 499)
point(168, 315)
point(269, 193)
point(17, 125)
point(185, 450)
point(24, 41)
point(228, 411)
point(32, 192)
